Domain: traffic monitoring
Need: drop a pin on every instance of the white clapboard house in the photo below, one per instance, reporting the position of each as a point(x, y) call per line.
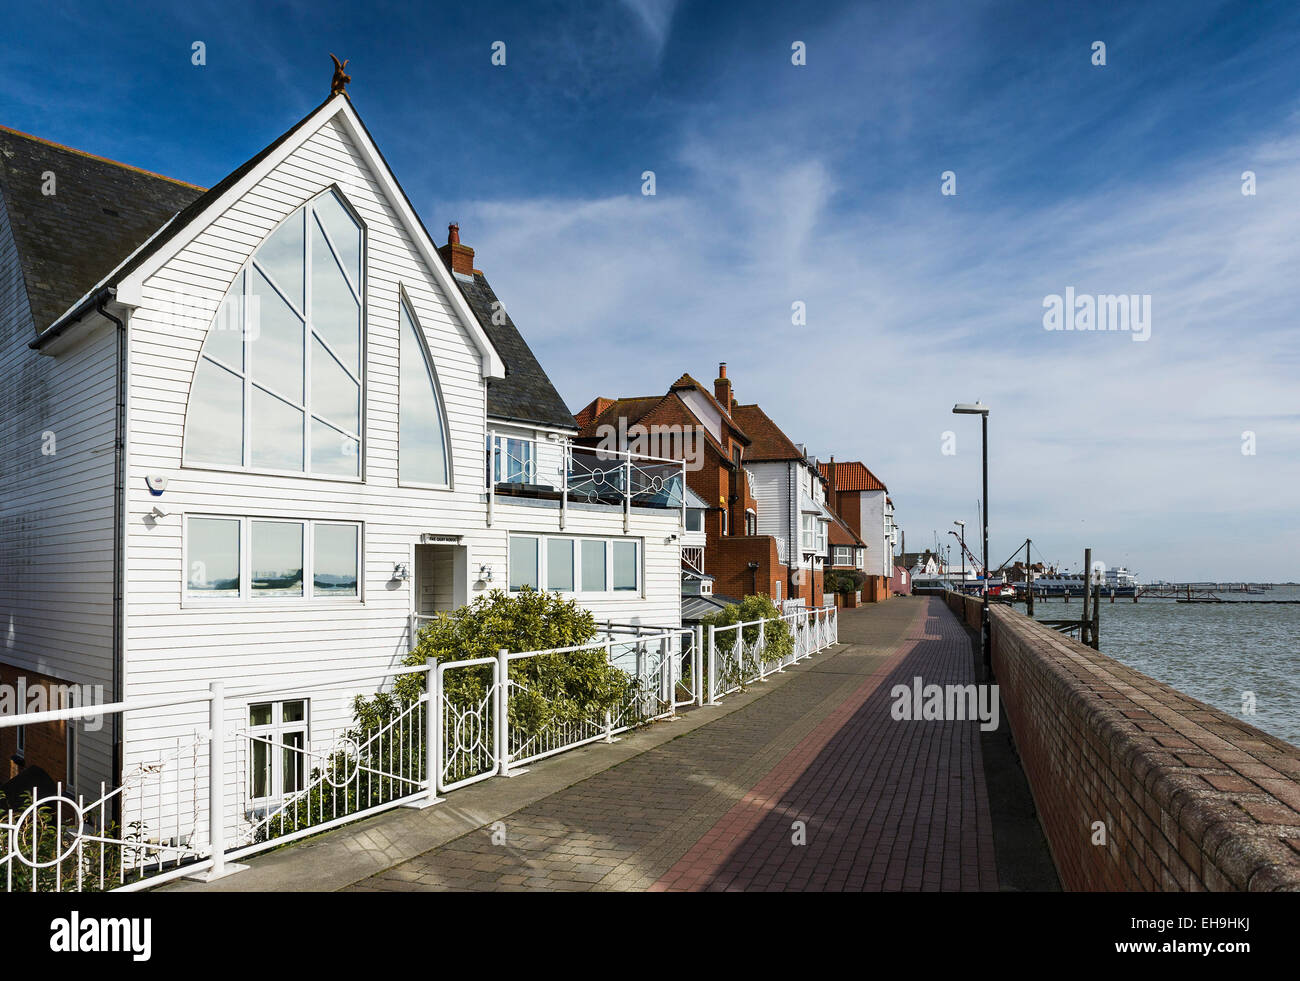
point(252, 433)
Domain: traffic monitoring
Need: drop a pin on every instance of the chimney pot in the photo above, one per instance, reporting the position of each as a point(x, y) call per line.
point(456, 257)
point(722, 370)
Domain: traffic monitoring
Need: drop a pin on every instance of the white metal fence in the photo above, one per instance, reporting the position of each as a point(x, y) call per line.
point(232, 788)
point(742, 653)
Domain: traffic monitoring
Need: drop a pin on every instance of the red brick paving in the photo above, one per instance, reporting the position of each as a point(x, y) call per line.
point(894, 805)
point(888, 805)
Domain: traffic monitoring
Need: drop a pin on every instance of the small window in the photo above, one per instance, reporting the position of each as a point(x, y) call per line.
point(523, 562)
point(278, 752)
point(695, 519)
point(559, 564)
point(213, 557)
point(334, 569)
point(776, 590)
point(751, 523)
point(593, 566)
point(513, 461)
point(625, 566)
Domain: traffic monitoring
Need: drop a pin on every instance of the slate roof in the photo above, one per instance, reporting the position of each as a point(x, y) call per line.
point(852, 476)
point(767, 442)
point(100, 212)
point(525, 394)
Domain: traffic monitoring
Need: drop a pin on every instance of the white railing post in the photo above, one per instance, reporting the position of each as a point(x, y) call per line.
point(697, 664)
point(217, 780)
point(667, 686)
point(566, 464)
point(503, 712)
point(216, 788)
point(609, 659)
point(432, 730)
point(627, 493)
point(713, 665)
point(762, 649)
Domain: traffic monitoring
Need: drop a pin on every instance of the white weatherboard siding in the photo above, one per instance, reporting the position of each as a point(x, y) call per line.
point(56, 509)
point(879, 555)
point(178, 645)
point(772, 492)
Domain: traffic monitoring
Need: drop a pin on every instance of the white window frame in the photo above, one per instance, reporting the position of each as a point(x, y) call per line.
point(698, 515)
point(20, 742)
point(808, 532)
point(276, 729)
point(403, 300)
point(609, 592)
point(843, 555)
point(359, 290)
point(246, 599)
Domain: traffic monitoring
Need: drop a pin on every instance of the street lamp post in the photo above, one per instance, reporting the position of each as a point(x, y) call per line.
point(982, 410)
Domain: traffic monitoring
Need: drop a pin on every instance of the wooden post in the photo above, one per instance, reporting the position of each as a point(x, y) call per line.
point(1087, 594)
point(1096, 620)
point(1029, 579)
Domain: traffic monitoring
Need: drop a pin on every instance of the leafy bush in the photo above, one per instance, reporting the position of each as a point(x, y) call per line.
point(844, 582)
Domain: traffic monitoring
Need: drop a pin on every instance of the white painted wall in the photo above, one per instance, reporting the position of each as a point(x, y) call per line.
point(56, 509)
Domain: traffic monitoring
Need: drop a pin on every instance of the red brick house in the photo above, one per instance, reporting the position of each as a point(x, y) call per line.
point(859, 497)
point(688, 422)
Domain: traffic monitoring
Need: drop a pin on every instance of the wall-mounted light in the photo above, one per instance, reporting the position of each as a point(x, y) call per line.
point(485, 573)
point(401, 572)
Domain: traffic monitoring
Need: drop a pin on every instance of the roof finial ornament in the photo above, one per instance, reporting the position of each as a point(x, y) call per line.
point(339, 82)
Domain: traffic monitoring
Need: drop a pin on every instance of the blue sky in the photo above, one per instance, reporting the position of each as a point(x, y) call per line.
point(820, 184)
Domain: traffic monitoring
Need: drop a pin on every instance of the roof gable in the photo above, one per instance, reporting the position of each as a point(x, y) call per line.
point(767, 441)
point(99, 213)
point(852, 476)
point(126, 280)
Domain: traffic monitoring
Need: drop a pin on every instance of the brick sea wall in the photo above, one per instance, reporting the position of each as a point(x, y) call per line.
point(1191, 798)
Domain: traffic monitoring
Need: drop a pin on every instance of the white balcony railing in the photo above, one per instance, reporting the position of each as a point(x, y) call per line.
point(557, 469)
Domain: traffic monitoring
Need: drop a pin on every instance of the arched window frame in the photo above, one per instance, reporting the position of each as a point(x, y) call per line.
point(359, 290)
point(404, 301)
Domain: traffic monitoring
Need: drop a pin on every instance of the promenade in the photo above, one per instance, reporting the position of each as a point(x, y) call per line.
point(804, 782)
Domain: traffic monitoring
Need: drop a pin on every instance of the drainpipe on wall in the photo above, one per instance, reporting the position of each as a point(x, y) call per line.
point(119, 535)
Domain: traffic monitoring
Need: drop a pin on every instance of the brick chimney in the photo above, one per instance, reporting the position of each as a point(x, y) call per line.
point(456, 257)
point(722, 389)
point(832, 489)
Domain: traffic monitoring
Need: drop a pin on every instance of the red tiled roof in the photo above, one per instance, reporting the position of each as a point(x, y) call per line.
point(767, 442)
point(840, 533)
point(852, 476)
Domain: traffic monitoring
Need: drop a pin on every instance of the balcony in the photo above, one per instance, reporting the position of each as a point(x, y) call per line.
point(557, 470)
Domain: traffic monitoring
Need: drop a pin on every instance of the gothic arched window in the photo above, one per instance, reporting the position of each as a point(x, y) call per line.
point(278, 383)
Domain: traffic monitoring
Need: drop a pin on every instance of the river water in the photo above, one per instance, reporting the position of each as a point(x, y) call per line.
point(1217, 652)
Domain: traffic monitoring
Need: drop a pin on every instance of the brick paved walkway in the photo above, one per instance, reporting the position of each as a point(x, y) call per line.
point(883, 804)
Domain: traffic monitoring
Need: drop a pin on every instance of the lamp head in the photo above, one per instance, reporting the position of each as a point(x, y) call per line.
point(970, 409)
